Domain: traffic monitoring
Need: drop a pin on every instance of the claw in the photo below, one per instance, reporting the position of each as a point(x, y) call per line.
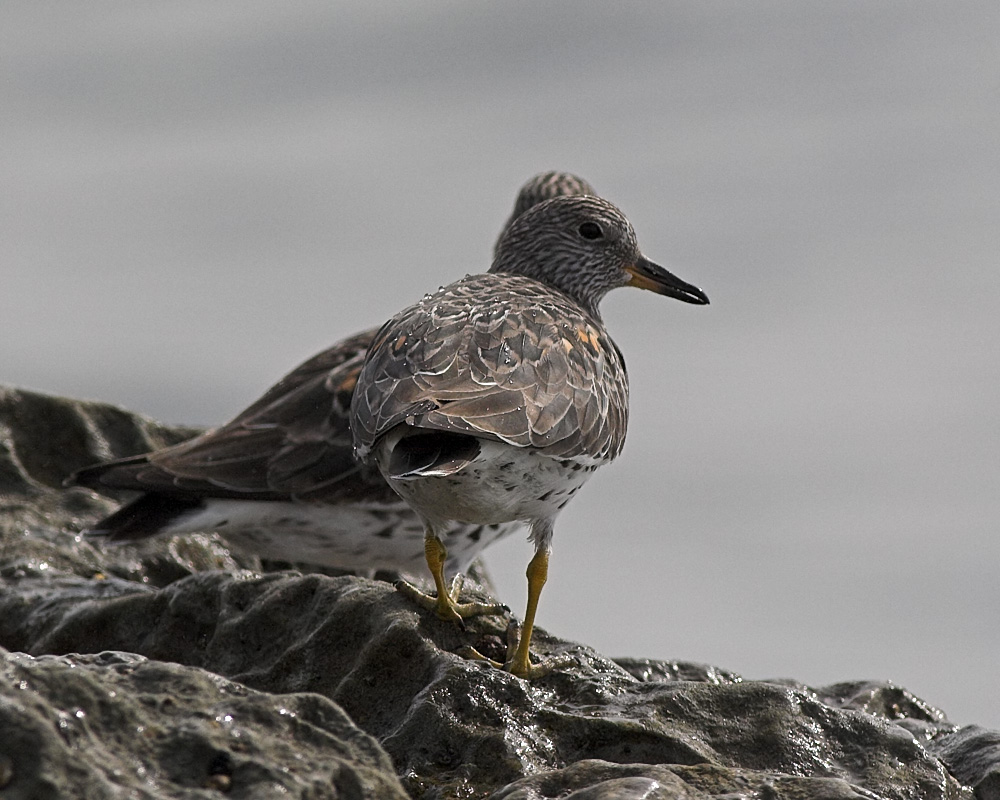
point(527, 671)
point(522, 667)
point(446, 606)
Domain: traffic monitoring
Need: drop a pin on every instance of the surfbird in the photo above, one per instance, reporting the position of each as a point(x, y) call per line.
point(280, 480)
point(496, 397)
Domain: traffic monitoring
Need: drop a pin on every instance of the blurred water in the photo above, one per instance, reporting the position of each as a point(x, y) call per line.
point(196, 197)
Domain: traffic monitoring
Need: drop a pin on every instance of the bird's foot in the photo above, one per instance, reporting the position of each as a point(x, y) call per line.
point(518, 663)
point(446, 604)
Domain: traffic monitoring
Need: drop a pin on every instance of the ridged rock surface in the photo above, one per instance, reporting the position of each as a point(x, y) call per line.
point(95, 725)
point(251, 683)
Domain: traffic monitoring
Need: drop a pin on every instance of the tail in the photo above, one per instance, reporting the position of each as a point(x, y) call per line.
point(118, 474)
point(431, 453)
point(145, 516)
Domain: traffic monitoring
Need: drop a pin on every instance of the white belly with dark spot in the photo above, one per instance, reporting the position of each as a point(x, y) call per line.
point(502, 484)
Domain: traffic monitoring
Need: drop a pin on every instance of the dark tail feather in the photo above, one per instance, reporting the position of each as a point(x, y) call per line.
point(144, 517)
point(96, 476)
point(435, 453)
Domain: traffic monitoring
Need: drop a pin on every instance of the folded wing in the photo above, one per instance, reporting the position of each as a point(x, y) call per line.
point(525, 368)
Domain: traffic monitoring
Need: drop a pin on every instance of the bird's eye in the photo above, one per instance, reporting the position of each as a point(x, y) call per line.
point(591, 230)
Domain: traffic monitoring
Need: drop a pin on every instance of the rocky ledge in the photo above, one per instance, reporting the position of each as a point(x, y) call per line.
point(188, 671)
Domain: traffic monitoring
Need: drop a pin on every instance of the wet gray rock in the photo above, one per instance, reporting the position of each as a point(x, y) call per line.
point(451, 727)
point(96, 726)
point(42, 440)
point(465, 729)
point(973, 755)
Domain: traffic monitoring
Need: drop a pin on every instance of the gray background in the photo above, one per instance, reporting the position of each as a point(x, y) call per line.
point(198, 196)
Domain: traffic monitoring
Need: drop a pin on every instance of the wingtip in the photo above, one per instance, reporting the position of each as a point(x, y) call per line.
point(73, 479)
point(96, 533)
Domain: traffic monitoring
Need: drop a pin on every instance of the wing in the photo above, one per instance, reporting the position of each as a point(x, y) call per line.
point(294, 441)
point(499, 357)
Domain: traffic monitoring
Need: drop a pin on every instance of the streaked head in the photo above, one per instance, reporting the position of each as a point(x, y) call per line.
point(584, 247)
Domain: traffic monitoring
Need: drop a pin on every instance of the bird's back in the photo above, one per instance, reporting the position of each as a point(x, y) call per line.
point(501, 357)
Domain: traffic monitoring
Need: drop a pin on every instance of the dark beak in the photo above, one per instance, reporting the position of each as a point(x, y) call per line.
point(646, 275)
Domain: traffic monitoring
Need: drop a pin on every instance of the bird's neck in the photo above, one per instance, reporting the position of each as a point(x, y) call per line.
point(588, 297)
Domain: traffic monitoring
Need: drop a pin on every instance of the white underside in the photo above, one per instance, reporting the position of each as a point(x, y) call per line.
point(350, 536)
point(487, 500)
point(502, 484)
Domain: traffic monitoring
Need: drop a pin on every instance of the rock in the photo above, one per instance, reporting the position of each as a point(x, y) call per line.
point(99, 725)
point(463, 728)
point(451, 727)
point(42, 440)
point(973, 755)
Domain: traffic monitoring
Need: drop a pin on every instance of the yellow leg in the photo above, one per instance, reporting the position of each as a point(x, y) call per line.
point(436, 554)
point(446, 604)
point(518, 648)
point(537, 573)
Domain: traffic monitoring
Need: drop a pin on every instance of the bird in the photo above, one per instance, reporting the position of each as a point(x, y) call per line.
point(280, 480)
point(495, 398)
